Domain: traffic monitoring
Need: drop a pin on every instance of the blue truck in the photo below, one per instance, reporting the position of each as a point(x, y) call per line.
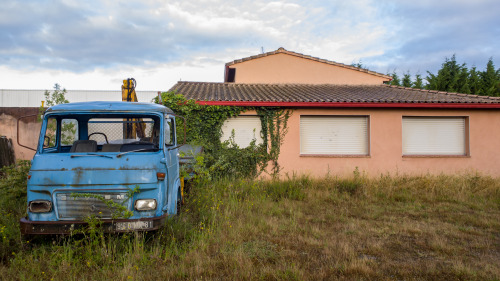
point(95, 156)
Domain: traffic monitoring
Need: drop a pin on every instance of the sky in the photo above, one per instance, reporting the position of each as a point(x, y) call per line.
point(94, 45)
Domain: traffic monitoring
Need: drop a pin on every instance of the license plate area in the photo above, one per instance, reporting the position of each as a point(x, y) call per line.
point(133, 225)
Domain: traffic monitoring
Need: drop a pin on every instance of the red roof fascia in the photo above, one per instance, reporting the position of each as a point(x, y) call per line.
point(352, 104)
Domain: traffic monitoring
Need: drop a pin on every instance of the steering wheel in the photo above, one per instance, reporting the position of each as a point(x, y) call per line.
point(99, 133)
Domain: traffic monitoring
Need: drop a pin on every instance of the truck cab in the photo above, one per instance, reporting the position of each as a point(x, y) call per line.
point(94, 156)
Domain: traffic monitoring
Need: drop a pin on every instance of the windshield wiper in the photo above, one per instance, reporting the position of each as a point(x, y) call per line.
point(90, 154)
point(137, 150)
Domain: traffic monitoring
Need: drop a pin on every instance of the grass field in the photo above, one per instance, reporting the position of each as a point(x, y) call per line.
point(386, 228)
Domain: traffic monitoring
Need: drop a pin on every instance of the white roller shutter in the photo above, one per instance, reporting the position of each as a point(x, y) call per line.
point(335, 135)
point(246, 128)
point(434, 136)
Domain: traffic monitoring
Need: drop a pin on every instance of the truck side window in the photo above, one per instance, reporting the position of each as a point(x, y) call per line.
point(69, 131)
point(169, 135)
point(49, 139)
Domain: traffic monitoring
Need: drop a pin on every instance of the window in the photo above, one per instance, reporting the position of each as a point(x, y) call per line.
point(231, 74)
point(49, 140)
point(69, 131)
point(246, 128)
point(60, 133)
point(334, 135)
point(169, 136)
point(123, 130)
point(434, 136)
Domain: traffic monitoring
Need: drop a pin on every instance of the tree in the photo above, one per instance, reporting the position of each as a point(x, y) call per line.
point(490, 80)
point(56, 97)
point(395, 79)
point(358, 64)
point(419, 83)
point(463, 82)
point(68, 127)
point(474, 81)
point(448, 77)
point(406, 82)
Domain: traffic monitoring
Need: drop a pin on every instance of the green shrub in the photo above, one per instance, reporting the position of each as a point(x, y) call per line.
point(13, 181)
point(226, 159)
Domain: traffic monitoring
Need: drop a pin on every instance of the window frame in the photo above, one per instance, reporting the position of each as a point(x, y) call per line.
point(83, 119)
point(169, 125)
point(422, 155)
point(339, 155)
point(258, 131)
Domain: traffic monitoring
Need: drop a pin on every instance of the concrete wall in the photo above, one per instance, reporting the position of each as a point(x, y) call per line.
point(34, 98)
point(386, 145)
point(29, 130)
point(284, 68)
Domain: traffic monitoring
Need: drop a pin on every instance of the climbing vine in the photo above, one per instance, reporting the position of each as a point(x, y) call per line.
point(204, 127)
point(274, 128)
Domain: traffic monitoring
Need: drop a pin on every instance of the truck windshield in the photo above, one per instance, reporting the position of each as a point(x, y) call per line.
point(101, 133)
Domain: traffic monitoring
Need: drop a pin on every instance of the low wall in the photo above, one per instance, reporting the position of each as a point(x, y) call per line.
point(29, 129)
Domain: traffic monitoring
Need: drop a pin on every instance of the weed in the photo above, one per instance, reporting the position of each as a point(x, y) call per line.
point(357, 228)
point(13, 181)
point(290, 188)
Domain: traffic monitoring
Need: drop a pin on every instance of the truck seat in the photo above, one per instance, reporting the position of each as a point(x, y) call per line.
point(110, 147)
point(84, 146)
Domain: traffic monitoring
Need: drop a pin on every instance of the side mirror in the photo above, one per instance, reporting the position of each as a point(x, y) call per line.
point(46, 141)
point(184, 141)
point(18, 125)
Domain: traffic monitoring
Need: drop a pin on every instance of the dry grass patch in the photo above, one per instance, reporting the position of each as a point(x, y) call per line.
point(388, 228)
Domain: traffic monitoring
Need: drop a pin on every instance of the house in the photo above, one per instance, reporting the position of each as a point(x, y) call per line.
point(344, 118)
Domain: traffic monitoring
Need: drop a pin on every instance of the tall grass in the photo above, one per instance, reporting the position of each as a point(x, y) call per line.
point(298, 228)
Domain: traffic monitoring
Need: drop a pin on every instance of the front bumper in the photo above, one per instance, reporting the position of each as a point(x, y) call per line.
point(108, 226)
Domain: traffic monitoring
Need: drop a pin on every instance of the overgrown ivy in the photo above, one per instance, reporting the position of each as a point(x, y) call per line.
point(274, 122)
point(226, 159)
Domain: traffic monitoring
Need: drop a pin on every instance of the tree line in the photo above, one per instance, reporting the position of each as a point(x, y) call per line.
point(455, 77)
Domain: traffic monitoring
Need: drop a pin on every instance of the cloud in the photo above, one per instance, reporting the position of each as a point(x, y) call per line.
point(82, 37)
point(429, 31)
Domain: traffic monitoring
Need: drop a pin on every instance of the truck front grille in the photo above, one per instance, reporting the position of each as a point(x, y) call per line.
point(83, 205)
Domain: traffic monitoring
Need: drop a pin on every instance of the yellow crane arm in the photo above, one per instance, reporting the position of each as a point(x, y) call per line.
point(128, 90)
point(133, 127)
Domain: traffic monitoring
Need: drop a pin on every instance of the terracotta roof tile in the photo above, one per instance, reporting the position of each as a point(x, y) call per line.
point(208, 91)
point(283, 51)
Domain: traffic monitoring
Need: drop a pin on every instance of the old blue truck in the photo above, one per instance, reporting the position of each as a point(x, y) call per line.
point(94, 156)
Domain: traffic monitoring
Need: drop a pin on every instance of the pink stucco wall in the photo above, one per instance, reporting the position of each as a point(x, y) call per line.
point(284, 68)
point(386, 145)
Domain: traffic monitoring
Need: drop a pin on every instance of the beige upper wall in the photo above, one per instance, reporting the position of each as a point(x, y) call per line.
point(285, 68)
